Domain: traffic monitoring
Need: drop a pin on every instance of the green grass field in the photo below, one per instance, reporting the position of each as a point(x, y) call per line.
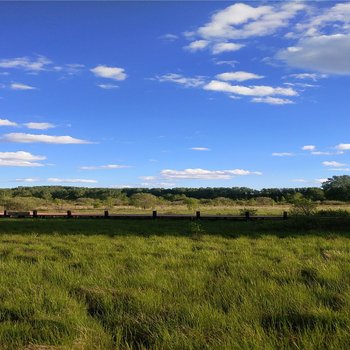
point(105, 284)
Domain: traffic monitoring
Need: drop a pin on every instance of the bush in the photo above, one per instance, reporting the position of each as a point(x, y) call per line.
point(303, 207)
point(333, 213)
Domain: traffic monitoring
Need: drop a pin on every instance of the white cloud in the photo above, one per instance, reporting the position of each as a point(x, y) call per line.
point(197, 45)
point(205, 174)
point(108, 86)
point(20, 159)
point(20, 86)
point(282, 154)
point(240, 21)
point(29, 64)
point(261, 90)
point(309, 148)
point(182, 80)
point(238, 76)
point(272, 100)
point(6, 122)
point(299, 180)
point(333, 164)
point(114, 73)
point(169, 37)
point(108, 166)
point(308, 76)
point(324, 53)
point(226, 47)
point(200, 149)
point(39, 126)
point(30, 138)
point(29, 180)
point(320, 153)
point(343, 147)
point(58, 180)
point(340, 169)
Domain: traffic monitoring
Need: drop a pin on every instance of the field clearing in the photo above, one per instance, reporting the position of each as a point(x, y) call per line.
point(91, 284)
point(275, 210)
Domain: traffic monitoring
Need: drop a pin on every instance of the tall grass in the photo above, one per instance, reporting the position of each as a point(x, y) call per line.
point(171, 285)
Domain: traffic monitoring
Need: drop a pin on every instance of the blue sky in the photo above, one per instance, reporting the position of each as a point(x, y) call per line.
point(174, 94)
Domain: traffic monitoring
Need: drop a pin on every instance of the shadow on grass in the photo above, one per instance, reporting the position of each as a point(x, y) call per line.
point(290, 227)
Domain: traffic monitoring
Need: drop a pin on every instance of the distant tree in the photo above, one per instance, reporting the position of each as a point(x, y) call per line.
point(303, 207)
point(337, 188)
point(144, 200)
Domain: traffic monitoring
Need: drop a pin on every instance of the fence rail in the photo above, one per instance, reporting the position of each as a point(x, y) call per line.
point(154, 215)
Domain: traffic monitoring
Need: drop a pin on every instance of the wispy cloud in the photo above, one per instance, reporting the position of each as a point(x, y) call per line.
point(343, 147)
point(181, 80)
point(200, 149)
point(6, 122)
point(20, 159)
point(37, 64)
point(238, 76)
point(28, 180)
point(108, 166)
point(33, 138)
point(272, 100)
point(59, 180)
point(308, 148)
point(39, 126)
point(204, 174)
point(261, 90)
point(114, 73)
point(332, 164)
point(108, 86)
point(283, 154)
point(20, 86)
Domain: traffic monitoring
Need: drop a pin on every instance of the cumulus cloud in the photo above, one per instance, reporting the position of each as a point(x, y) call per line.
point(204, 174)
point(272, 100)
point(31, 138)
point(200, 149)
point(238, 76)
point(226, 47)
point(108, 166)
point(240, 21)
point(6, 122)
point(321, 180)
point(259, 90)
point(325, 53)
point(39, 126)
point(182, 80)
point(20, 159)
point(197, 45)
point(59, 180)
point(114, 73)
point(333, 164)
point(20, 86)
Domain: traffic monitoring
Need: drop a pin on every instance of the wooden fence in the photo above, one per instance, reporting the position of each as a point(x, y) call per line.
point(154, 215)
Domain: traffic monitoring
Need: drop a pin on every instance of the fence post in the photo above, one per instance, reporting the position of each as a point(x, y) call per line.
point(35, 213)
point(154, 214)
point(69, 213)
point(198, 214)
point(247, 215)
point(106, 213)
point(5, 213)
point(285, 215)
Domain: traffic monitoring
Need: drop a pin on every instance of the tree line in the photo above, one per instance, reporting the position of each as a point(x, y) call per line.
point(336, 188)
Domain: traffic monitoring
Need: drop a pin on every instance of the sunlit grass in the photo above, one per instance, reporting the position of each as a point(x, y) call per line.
point(184, 286)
